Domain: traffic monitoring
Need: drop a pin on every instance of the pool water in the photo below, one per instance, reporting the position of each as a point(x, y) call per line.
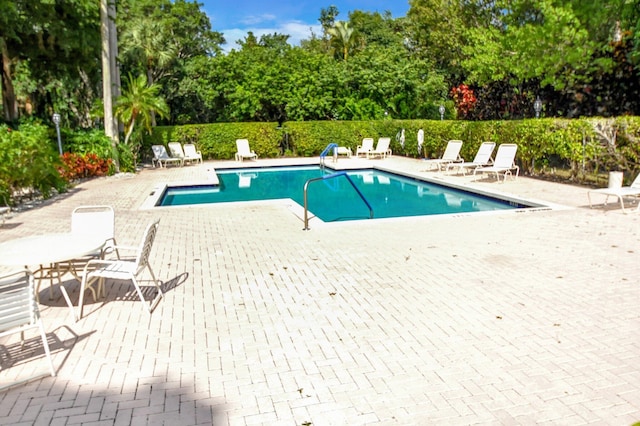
point(335, 199)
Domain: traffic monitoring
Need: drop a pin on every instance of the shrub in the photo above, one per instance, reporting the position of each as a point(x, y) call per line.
point(29, 161)
point(79, 166)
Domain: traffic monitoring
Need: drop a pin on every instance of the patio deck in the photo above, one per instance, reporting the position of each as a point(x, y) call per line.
point(510, 318)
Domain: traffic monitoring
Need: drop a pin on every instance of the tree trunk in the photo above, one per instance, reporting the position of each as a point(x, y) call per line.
point(115, 69)
point(150, 82)
point(130, 131)
point(110, 124)
point(9, 101)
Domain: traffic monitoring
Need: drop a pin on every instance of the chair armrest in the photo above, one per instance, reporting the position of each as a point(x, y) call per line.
point(116, 247)
point(95, 263)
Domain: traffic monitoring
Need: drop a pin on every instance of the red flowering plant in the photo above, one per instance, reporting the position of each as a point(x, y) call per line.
point(79, 166)
point(464, 99)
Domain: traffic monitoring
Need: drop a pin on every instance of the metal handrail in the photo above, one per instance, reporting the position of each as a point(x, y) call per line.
point(324, 153)
point(331, 176)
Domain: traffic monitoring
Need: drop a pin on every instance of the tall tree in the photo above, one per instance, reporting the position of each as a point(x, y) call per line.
point(150, 44)
point(342, 38)
point(160, 38)
point(41, 43)
point(378, 29)
point(437, 31)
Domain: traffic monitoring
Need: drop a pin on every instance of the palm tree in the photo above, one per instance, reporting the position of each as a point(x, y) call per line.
point(341, 34)
point(150, 44)
point(138, 102)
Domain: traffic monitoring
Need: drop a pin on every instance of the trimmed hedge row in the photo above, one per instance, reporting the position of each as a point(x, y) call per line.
point(578, 147)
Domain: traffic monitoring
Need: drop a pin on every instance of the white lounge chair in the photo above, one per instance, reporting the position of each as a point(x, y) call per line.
point(161, 156)
point(504, 162)
point(175, 150)
point(19, 310)
point(122, 269)
point(451, 155)
point(244, 151)
point(482, 159)
point(191, 153)
point(365, 148)
point(382, 149)
point(621, 192)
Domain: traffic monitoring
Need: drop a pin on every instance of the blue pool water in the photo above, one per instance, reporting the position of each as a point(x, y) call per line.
point(335, 199)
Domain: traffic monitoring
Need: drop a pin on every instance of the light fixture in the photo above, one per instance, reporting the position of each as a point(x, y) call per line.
point(441, 109)
point(56, 121)
point(537, 106)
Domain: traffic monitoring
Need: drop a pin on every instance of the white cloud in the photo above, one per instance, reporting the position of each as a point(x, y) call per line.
point(296, 30)
point(254, 20)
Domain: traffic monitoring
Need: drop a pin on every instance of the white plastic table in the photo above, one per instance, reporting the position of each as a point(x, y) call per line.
point(50, 250)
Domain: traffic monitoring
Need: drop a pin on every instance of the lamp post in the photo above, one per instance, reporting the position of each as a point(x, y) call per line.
point(56, 121)
point(441, 109)
point(537, 106)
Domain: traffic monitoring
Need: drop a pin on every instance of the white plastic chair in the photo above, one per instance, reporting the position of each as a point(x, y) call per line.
point(382, 149)
point(365, 148)
point(161, 156)
point(504, 162)
point(620, 192)
point(244, 151)
point(122, 269)
point(191, 153)
point(95, 220)
point(19, 310)
point(175, 149)
point(98, 221)
point(482, 158)
point(451, 155)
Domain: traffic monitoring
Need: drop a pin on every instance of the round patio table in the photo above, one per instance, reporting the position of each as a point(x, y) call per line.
point(48, 251)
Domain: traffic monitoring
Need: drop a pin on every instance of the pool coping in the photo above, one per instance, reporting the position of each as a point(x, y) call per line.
point(438, 178)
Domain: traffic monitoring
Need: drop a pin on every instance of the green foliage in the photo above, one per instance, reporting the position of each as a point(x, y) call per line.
point(86, 141)
point(52, 51)
point(511, 50)
point(138, 103)
point(580, 146)
point(28, 161)
point(218, 141)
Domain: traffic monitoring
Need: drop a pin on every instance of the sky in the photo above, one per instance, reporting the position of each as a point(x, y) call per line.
point(297, 18)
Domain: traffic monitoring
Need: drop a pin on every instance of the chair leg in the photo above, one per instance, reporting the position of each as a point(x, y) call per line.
point(83, 286)
point(46, 347)
point(140, 295)
point(155, 281)
point(68, 300)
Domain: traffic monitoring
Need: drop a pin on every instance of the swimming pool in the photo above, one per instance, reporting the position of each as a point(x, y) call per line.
point(335, 199)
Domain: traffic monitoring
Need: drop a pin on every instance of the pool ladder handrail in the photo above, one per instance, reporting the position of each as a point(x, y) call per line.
point(331, 176)
point(324, 153)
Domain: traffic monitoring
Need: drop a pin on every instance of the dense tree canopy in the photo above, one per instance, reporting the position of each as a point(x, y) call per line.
point(488, 58)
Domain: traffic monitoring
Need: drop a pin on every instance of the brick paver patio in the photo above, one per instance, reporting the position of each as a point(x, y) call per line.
point(492, 319)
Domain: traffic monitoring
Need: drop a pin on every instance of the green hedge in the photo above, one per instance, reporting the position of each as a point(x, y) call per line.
point(579, 148)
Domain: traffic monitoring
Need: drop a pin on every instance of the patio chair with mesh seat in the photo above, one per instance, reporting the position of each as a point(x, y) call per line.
point(99, 270)
point(19, 310)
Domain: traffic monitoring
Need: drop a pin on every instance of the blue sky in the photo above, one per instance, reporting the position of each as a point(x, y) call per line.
point(234, 18)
